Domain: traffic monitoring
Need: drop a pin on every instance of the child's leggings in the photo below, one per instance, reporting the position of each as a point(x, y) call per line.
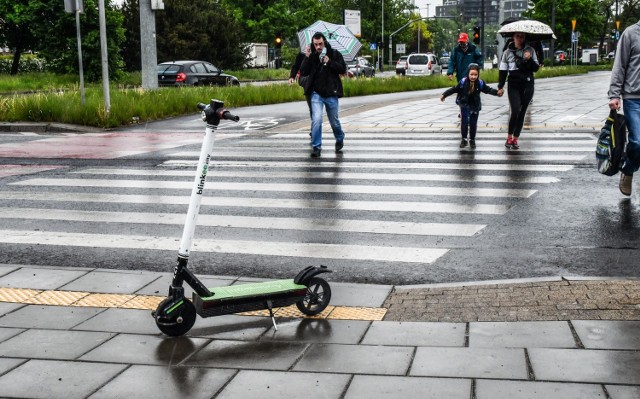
point(468, 123)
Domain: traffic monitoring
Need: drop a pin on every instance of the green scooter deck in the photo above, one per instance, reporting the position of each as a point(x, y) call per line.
point(249, 297)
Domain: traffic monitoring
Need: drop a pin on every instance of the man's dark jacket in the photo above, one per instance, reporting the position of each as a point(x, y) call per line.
point(325, 78)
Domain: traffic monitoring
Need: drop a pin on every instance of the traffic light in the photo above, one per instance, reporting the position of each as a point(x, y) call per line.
point(278, 40)
point(476, 34)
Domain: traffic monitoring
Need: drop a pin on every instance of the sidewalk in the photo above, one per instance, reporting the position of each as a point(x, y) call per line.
point(96, 339)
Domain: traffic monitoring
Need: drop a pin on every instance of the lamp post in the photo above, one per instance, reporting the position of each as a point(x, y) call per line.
point(381, 51)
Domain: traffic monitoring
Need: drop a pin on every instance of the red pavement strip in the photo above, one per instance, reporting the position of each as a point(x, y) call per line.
point(16, 170)
point(98, 145)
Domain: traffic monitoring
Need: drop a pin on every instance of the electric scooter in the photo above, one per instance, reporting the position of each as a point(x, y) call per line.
point(175, 315)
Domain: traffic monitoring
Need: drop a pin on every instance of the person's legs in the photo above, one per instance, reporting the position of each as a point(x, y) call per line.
point(473, 125)
point(332, 114)
point(464, 122)
point(526, 95)
point(515, 103)
point(632, 117)
point(317, 104)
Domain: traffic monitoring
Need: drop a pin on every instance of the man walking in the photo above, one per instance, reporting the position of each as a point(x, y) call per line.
point(462, 55)
point(625, 84)
point(324, 66)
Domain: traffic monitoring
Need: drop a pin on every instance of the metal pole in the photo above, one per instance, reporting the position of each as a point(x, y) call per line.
point(552, 47)
point(482, 28)
point(105, 58)
point(82, 97)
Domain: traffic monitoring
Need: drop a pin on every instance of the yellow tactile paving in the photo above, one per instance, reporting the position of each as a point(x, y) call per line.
point(104, 300)
point(357, 313)
point(150, 302)
point(143, 302)
point(58, 298)
point(17, 295)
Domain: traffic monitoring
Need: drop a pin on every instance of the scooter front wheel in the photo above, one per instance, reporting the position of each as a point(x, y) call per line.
point(178, 321)
point(317, 298)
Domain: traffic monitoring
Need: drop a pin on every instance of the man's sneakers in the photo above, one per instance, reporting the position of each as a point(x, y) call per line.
point(339, 145)
point(512, 142)
point(463, 143)
point(625, 183)
point(315, 153)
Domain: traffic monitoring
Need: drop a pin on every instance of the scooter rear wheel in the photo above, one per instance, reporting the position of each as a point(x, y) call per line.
point(179, 323)
point(317, 298)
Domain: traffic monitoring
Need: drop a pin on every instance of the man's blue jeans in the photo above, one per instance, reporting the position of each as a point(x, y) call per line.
point(317, 103)
point(631, 107)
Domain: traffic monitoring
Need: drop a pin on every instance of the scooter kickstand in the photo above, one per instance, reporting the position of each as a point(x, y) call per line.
point(273, 318)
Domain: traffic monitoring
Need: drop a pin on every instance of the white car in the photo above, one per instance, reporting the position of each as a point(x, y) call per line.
point(423, 65)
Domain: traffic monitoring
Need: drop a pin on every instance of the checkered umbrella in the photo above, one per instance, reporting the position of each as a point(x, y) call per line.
point(339, 37)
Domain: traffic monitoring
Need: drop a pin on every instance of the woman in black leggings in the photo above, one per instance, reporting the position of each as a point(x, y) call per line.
point(517, 66)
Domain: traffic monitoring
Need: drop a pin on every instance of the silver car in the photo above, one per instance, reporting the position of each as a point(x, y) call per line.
point(423, 65)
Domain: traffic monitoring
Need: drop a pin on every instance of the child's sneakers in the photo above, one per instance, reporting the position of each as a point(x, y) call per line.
point(463, 143)
point(472, 143)
point(514, 144)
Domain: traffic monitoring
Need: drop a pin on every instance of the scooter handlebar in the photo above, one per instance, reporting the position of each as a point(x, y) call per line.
point(229, 116)
point(202, 106)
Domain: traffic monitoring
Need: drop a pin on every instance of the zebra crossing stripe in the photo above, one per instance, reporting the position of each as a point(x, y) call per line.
point(380, 206)
point(460, 156)
point(436, 136)
point(285, 249)
point(314, 188)
point(374, 165)
point(384, 146)
point(248, 222)
point(329, 175)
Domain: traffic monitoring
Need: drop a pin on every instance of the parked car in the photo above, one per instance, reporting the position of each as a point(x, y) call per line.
point(401, 65)
point(444, 62)
point(361, 67)
point(193, 73)
point(420, 64)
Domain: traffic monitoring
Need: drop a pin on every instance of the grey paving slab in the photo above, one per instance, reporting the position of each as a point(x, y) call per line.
point(128, 321)
point(247, 355)
point(48, 317)
point(415, 334)
point(7, 269)
point(366, 295)
point(382, 387)
point(7, 307)
point(109, 282)
point(608, 334)
point(623, 392)
point(39, 279)
point(581, 365)
point(318, 331)
point(7, 364)
point(494, 389)
point(233, 327)
point(250, 384)
point(470, 363)
point(6, 333)
point(56, 379)
point(160, 286)
point(153, 382)
point(532, 334)
point(52, 344)
point(145, 349)
point(356, 359)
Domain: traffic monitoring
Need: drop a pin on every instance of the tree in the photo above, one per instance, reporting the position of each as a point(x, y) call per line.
point(586, 12)
point(201, 30)
point(44, 27)
point(131, 47)
point(16, 19)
